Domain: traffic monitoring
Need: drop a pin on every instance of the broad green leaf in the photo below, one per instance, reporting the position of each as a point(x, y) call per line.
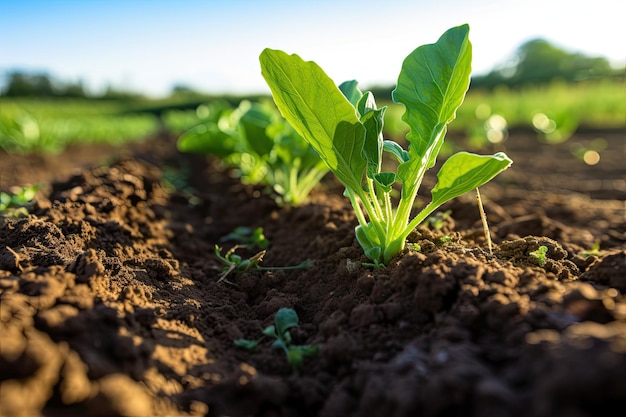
point(432, 85)
point(464, 171)
point(373, 146)
point(318, 111)
point(285, 319)
point(254, 123)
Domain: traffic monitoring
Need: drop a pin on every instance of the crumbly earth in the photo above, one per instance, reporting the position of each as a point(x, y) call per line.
point(112, 302)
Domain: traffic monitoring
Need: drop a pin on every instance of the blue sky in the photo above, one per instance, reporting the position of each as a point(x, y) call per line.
point(213, 46)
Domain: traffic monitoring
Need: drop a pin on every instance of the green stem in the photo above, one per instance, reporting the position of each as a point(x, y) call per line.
point(387, 215)
point(417, 220)
point(372, 191)
point(301, 265)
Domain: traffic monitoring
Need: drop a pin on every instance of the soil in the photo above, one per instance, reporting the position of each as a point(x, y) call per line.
point(112, 302)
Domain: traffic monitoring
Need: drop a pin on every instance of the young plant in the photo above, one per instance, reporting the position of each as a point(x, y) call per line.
point(263, 148)
point(539, 255)
point(285, 319)
point(345, 127)
point(237, 264)
point(16, 204)
point(594, 251)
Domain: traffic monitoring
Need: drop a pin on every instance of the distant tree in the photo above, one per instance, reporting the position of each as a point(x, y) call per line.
point(20, 84)
point(112, 93)
point(182, 90)
point(76, 90)
point(539, 62)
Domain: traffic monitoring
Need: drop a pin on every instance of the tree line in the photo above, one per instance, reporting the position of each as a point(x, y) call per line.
point(536, 62)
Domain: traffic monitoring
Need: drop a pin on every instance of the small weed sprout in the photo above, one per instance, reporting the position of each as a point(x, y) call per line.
point(239, 265)
point(539, 255)
point(594, 251)
point(285, 319)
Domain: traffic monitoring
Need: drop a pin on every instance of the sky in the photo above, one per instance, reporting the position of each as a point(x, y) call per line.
point(213, 46)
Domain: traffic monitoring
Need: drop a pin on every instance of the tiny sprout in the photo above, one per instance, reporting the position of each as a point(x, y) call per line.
point(285, 319)
point(445, 239)
point(539, 255)
point(240, 265)
point(594, 251)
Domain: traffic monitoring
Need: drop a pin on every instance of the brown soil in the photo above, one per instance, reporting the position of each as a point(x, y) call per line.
point(112, 303)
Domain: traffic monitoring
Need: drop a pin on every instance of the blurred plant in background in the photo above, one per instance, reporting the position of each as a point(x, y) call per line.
point(259, 146)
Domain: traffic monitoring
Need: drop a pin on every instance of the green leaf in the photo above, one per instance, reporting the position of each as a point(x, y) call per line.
point(396, 150)
point(365, 104)
point(318, 111)
point(464, 171)
point(308, 350)
point(254, 122)
point(285, 319)
point(373, 146)
point(351, 91)
point(295, 357)
point(279, 344)
point(270, 331)
point(368, 240)
point(385, 180)
point(432, 85)
point(246, 343)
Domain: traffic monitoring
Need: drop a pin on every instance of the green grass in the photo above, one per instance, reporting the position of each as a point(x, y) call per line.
point(555, 111)
point(49, 125)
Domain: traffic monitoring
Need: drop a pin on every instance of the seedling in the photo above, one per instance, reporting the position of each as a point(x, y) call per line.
point(539, 255)
point(248, 237)
point(16, 204)
point(237, 264)
point(594, 251)
point(261, 146)
point(345, 127)
point(445, 239)
point(285, 319)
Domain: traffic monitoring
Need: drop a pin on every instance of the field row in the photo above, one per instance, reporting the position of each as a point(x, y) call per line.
point(555, 112)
